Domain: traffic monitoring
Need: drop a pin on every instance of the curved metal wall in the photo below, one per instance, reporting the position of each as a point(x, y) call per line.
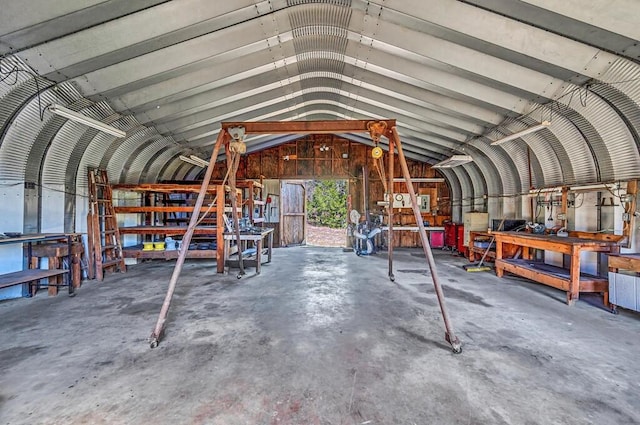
point(322, 59)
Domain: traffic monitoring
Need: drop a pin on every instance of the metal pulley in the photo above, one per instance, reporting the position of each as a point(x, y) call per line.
point(238, 146)
point(376, 152)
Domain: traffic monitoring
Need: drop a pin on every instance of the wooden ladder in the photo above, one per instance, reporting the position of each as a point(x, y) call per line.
point(105, 248)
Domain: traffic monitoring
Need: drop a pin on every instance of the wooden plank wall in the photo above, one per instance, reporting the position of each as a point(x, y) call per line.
point(344, 160)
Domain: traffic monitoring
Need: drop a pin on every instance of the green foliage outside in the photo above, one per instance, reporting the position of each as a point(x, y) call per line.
point(328, 204)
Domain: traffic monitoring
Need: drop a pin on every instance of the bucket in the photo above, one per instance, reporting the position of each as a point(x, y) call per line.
point(158, 246)
point(147, 246)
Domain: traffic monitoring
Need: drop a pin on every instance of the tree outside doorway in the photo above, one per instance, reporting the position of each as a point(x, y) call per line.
point(326, 212)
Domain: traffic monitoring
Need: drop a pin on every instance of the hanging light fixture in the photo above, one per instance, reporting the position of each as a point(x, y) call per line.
point(83, 119)
point(538, 127)
point(191, 161)
point(454, 161)
point(201, 162)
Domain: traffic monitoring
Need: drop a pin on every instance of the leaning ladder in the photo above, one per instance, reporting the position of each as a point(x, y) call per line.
point(105, 248)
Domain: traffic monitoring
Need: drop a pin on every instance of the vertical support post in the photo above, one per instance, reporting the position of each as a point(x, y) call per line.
point(531, 209)
point(564, 205)
point(498, 262)
point(390, 208)
point(70, 276)
point(222, 250)
point(154, 339)
point(630, 208)
point(449, 334)
point(573, 292)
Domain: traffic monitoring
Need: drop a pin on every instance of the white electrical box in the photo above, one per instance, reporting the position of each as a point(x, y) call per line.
point(403, 200)
point(425, 203)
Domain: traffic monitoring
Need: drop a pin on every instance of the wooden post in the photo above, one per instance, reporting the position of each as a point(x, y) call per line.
point(564, 205)
point(499, 248)
point(632, 189)
point(154, 339)
point(573, 292)
point(222, 251)
point(449, 334)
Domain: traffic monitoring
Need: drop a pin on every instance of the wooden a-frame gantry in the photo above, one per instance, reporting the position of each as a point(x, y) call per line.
point(231, 131)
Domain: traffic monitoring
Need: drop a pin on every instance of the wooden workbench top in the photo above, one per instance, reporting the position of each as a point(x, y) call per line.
point(552, 239)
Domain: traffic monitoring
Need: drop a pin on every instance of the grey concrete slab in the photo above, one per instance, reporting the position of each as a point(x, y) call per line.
point(320, 337)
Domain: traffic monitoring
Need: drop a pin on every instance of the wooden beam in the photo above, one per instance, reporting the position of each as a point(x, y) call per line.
point(632, 189)
point(154, 339)
point(306, 127)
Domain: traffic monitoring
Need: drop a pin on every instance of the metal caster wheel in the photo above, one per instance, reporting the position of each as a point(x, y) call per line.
point(153, 343)
point(392, 278)
point(456, 350)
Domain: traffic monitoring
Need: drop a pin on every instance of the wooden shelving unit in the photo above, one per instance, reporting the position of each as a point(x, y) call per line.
point(160, 219)
point(254, 202)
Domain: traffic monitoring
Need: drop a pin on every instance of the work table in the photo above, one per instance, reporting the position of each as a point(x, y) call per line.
point(570, 280)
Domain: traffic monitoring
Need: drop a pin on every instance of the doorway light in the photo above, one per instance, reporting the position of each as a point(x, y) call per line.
point(454, 161)
point(83, 119)
point(538, 127)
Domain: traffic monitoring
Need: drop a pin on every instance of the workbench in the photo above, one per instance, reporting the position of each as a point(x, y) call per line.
point(33, 276)
point(570, 280)
point(624, 288)
point(246, 236)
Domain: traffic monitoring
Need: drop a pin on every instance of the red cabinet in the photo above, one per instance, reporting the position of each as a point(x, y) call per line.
point(462, 249)
point(450, 235)
point(436, 239)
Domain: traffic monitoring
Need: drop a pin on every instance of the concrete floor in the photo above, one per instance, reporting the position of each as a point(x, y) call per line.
point(321, 337)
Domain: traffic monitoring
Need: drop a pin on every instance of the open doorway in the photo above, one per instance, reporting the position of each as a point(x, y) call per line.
point(327, 212)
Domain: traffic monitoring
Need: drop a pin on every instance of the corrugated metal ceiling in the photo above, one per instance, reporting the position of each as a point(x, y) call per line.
point(454, 73)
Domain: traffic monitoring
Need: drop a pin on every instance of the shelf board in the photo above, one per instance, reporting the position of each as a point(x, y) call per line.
point(557, 277)
point(141, 210)
point(165, 230)
point(137, 252)
point(24, 276)
point(163, 188)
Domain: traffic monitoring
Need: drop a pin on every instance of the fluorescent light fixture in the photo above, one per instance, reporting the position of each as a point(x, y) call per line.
point(421, 180)
point(590, 187)
point(543, 124)
point(454, 161)
point(545, 190)
point(200, 161)
point(83, 119)
point(191, 161)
